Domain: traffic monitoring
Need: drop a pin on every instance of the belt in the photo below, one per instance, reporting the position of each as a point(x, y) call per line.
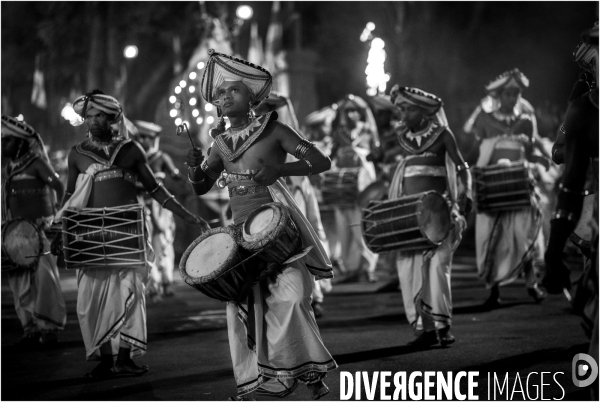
point(113, 174)
point(247, 190)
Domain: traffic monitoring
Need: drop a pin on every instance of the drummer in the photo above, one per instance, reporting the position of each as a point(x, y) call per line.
point(273, 336)
point(162, 224)
point(510, 242)
point(430, 161)
point(300, 186)
point(27, 184)
point(102, 173)
point(354, 133)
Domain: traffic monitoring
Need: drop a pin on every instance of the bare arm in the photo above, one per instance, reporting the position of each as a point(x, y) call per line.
point(170, 167)
point(289, 140)
point(73, 174)
point(49, 176)
point(156, 190)
point(463, 174)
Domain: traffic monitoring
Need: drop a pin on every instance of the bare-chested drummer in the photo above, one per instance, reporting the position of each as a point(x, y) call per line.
point(431, 161)
point(103, 169)
point(253, 151)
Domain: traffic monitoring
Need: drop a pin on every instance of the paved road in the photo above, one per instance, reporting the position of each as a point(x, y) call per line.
point(364, 328)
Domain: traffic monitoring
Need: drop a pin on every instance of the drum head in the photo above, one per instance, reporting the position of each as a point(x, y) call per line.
point(261, 225)
point(210, 255)
point(434, 219)
point(22, 243)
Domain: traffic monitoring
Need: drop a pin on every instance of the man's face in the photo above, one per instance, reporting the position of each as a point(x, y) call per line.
point(234, 98)
point(411, 115)
point(146, 141)
point(509, 98)
point(351, 114)
point(97, 121)
point(10, 146)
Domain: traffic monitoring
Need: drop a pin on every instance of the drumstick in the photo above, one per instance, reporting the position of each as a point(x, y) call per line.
point(39, 255)
point(180, 130)
point(567, 295)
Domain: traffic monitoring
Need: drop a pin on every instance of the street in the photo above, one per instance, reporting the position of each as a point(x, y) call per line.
point(364, 328)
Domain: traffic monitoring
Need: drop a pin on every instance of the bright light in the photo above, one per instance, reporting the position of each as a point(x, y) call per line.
point(210, 120)
point(187, 123)
point(20, 117)
point(130, 52)
point(192, 89)
point(199, 120)
point(173, 113)
point(370, 26)
point(177, 89)
point(172, 99)
point(376, 75)
point(208, 107)
point(182, 83)
point(68, 113)
point(192, 101)
point(192, 75)
point(200, 65)
point(244, 12)
point(195, 113)
point(178, 121)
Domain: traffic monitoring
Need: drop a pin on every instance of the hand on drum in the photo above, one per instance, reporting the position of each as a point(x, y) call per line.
point(194, 157)
point(196, 220)
point(267, 175)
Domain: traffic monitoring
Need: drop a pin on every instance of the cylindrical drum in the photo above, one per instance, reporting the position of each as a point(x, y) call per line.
point(217, 266)
point(271, 230)
point(502, 187)
point(340, 188)
point(413, 222)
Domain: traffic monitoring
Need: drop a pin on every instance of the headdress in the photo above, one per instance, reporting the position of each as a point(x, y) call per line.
point(12, 127)
point(415, 96)
point(104, 103)
point(508, 79)
point(584, 52)
point(369, 119)
point(221, 67)
point(147, 128)
point(284, 107)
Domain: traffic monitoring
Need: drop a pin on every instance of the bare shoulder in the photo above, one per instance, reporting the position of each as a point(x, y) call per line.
point(281, 129)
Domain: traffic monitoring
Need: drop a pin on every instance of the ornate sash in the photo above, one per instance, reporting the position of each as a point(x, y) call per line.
point(242, 140)
point(503, 128)
point(116, 143)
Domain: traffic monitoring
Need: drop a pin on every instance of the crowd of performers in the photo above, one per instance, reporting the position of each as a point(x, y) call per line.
point(375, 187)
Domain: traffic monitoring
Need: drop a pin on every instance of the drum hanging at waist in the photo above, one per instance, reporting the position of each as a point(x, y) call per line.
point(502, 187)
point(22, 244)
point(104, 237)
point(340, 188)
point(414, 222)
point(217, 266)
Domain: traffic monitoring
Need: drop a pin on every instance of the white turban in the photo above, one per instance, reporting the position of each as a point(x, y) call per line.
point(431, 104)
point(104, 103)
point(509, 79)
point(221, 67)
point(12, 127)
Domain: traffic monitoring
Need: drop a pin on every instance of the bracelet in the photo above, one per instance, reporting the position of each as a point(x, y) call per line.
point(167, 200)
point(195, 182)
point(303, 148)
point(208, 171)
point(309, 167)
point(158, 186)
point(461, 167)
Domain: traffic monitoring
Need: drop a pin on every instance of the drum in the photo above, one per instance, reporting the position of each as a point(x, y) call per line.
point(217, 266)
point(414, 222)
point(502, 187)
point(22, 245)
point(271, 230)
point(104, 237)
point(376, 191)
point(340, 188)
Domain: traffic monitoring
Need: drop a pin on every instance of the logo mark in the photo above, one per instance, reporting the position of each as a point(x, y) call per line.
point(584, 365)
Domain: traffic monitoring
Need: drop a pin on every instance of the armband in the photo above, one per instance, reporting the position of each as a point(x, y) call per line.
point(197, 181)
point(461, 167)
point(309, 167)
point(208, 171)
point(303, 148)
